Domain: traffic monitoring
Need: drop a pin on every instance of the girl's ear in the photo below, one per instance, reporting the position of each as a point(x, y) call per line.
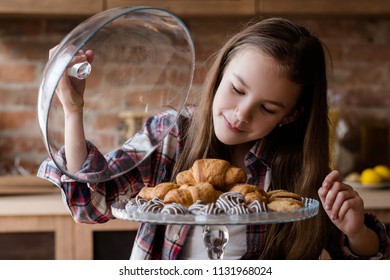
point(292, 116)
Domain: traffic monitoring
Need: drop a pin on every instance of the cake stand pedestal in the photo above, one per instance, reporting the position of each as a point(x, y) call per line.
point(215, 239)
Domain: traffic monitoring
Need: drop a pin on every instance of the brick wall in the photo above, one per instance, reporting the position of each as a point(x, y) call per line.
point(360, 50)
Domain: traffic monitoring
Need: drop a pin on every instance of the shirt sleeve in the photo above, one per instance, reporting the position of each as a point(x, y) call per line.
point(339, 248)
point(91, 202)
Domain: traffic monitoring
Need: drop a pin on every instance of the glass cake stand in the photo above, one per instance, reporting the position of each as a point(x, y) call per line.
point(215, 233)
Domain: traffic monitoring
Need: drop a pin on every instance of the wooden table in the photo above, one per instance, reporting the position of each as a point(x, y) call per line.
point(377, 201)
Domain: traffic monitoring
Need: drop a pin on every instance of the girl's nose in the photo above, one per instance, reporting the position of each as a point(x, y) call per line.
point(242, 112)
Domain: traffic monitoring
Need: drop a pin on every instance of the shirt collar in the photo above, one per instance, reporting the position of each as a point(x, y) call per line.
point(260, 152)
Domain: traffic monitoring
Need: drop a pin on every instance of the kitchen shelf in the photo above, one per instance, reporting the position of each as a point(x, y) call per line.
point(324, 7)
point(195, 7)
point(205, 8)
point(51, 7)
point(23, 185)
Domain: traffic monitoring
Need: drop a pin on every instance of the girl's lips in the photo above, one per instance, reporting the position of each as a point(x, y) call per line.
point(232, 127)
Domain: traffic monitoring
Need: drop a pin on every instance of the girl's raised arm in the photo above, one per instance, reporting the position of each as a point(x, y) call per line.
point(70, 92)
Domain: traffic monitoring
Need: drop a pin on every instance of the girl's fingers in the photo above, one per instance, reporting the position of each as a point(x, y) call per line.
point(90, 55)
point(334, 193)
point(82, 56)
point(341, 204)
point(331, 178)
point(345, 207)
point(331, 194)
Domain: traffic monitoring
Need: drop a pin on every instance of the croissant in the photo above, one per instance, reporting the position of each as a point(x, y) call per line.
point(159, 190)
point(220, 173)
point(250, 192)
point(187, 195)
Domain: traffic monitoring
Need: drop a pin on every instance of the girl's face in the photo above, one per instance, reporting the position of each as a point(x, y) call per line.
point(252, 98)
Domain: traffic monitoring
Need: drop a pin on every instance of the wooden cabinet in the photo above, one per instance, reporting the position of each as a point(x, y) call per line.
point(195, 7)
point(51, 7)
point(185, 8)
point(43, 218)
point(111, 240)
point(323, 7)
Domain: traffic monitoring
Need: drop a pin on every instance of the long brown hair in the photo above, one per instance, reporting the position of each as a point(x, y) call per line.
point(300, 150)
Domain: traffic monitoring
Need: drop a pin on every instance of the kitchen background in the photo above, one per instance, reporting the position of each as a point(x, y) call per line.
point(356, 33)
point(359, 82)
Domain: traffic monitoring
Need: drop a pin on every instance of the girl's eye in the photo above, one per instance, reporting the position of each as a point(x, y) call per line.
point(265, 109)
point(237, 91)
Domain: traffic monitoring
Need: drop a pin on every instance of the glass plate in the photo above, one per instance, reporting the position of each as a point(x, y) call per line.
point(357, 185)
point(309, 210)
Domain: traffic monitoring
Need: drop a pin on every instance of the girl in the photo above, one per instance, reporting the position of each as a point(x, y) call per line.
point(264, 108)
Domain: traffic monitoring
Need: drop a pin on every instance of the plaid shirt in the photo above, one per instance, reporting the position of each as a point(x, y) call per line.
point(91, 203)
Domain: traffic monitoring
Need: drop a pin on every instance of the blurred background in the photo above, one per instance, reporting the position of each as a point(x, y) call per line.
point(356, 33)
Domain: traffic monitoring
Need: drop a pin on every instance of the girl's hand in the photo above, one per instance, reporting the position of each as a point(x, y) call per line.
point(70, 90)
point(346, 210)
point(343, 205)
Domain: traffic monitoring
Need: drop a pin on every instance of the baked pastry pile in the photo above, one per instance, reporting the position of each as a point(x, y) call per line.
point(212, 187)
point(185, 195)
point(219, 173)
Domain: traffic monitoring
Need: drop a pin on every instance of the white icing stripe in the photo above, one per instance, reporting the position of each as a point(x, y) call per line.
point(174, 208)
point(150, 206)
point(257, 207)
point(238, 210)
point(211, 209)
point(196, 208)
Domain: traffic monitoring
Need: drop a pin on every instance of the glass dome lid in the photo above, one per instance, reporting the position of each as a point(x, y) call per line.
point(143, 65)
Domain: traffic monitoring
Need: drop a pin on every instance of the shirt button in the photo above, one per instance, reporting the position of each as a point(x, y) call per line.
point(175, 237)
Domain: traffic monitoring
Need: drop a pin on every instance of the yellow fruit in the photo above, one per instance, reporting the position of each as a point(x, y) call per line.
point(383, 171)
point(369, 176)
point(353, 177)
